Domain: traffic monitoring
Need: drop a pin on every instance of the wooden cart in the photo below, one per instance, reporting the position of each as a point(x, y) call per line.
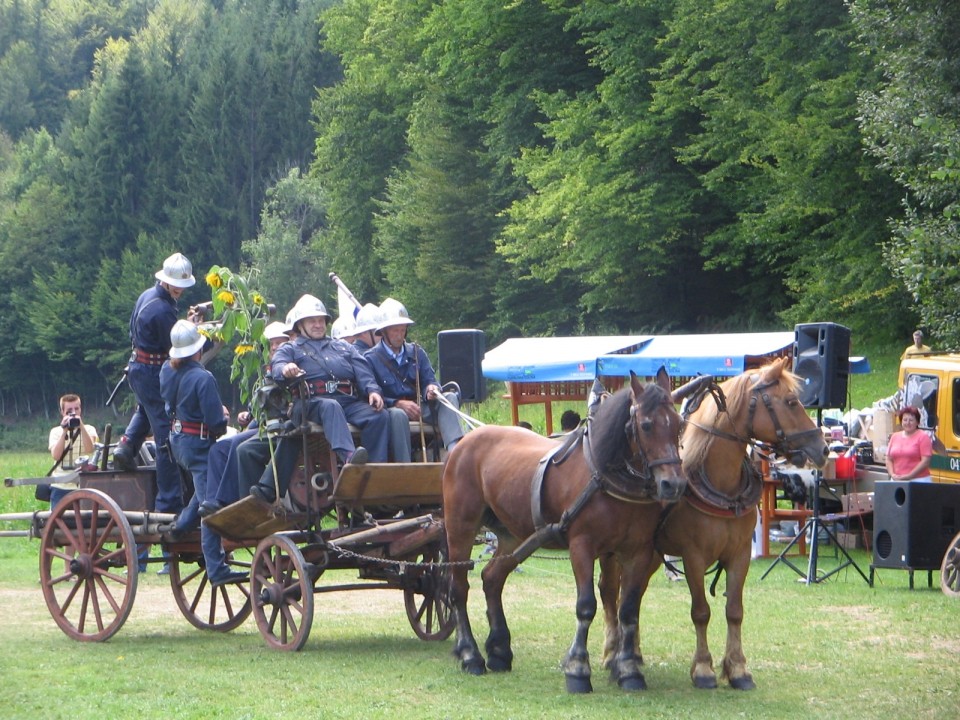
point(383, 520)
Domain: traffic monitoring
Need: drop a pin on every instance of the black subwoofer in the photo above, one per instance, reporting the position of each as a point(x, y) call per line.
point(913, 523)
point(461, 358)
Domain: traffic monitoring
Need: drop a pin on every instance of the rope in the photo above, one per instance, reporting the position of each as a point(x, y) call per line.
point(471, 421)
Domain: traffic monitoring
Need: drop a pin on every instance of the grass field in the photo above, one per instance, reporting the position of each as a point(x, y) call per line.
point(838, 649)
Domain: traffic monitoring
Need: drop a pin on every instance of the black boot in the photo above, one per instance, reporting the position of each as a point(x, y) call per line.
point(124, 459)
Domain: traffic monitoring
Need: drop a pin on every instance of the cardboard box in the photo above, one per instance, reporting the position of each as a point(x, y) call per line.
point(883, 426)
point(851, 540)
point(857, 502)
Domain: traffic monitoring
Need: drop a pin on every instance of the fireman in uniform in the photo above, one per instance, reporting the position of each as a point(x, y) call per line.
point(341, 387)
point(151, 321)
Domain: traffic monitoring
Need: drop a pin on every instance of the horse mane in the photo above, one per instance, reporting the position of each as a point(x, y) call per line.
point(608, 433)
point(736, 390)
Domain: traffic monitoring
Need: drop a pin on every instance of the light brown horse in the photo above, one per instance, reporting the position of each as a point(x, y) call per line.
point(714, 521)
point(598, 496)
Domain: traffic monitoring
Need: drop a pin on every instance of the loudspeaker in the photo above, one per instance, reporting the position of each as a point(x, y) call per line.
point(913, 523)
point(821, 357)
point(461, 357)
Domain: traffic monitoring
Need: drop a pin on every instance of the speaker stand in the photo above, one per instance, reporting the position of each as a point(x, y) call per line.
point(815, 526)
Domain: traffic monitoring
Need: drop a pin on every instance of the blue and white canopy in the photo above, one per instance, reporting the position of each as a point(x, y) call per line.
point(584, 358)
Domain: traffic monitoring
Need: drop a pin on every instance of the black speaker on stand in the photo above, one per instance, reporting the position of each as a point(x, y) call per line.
point(821, 357)
point(461, 358)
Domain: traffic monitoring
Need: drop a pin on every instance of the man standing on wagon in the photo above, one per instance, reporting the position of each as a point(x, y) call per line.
point(403, 368)
point(342, 389)
point(152, 319)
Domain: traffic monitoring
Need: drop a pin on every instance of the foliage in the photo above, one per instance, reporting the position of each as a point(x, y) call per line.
point(910, 126)
point(525, 168)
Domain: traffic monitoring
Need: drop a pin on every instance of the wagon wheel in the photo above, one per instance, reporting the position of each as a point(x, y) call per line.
point(206, 607)
point(426, 598)
point(282, 591)
point(88, 569)
point(950, 569)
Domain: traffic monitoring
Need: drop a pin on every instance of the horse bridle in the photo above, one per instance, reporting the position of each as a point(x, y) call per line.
point(785, 444)
point(645, 471)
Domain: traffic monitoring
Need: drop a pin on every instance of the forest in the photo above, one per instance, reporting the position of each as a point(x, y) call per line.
point(525, 167)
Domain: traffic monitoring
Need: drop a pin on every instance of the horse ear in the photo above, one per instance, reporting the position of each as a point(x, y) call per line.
point(774, 370)
point(635, 385)
point(663, 379)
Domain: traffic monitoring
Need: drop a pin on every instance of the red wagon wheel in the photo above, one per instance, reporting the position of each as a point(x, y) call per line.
point(207, 607)
point(88, 566)
point(950, 569)
point(425, 596)
point(281, 588)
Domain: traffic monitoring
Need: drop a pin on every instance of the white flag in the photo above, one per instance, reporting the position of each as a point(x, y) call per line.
point(346, 308)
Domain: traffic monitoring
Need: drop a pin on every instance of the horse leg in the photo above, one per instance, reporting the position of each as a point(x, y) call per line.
point(734, 667)
point(499, 654)
point(466, 649)
point(609, 587)
point(701, 670)
point(461, 523)
point(625, 668)
point(576, 664)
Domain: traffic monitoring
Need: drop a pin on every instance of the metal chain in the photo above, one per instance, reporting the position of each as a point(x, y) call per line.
point(344, 553)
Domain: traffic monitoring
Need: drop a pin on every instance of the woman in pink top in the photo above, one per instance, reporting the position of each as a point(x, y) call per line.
point(909, 451)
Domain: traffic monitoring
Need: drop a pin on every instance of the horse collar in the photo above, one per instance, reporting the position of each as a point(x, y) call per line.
point(622, 485)
point(703, 496)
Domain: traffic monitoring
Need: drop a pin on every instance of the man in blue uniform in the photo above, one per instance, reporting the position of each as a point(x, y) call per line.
point(342, 389)
point(196, 411)
point(402, 369)
point(151, 321)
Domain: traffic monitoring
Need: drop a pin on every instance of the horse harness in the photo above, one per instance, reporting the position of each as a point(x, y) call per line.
point(620, 484)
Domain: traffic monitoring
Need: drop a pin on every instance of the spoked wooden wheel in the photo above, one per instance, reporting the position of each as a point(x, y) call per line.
point(426, 596)
point(207, 607)
point(281, 588)
point(950, 569)
point(88, 566)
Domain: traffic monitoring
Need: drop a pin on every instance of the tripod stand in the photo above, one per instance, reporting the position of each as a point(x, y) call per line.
point(815, 526)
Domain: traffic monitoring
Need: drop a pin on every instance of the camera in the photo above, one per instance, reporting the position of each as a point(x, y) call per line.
point(72, 420)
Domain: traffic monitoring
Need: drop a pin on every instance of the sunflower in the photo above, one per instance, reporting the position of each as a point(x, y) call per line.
point(214, 280)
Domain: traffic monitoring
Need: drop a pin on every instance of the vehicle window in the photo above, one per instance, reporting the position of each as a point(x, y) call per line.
point(920, 391)
point(955, 407)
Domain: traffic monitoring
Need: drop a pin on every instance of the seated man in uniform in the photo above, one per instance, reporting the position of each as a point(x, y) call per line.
point(402, 368)
point(342, 388)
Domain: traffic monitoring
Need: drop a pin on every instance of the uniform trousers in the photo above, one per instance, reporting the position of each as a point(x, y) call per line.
point(191, 452)
point(333, 413)
point(223, 469)
point(151, 415)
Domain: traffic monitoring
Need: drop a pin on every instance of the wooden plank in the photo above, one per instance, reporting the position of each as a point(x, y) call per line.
point(252, 519)
point(395, 484)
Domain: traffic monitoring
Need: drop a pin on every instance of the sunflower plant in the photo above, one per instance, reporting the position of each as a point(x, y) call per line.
point(240, 315)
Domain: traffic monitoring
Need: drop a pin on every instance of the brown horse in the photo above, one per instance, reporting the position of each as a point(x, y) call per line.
point(599, 495)
point(714, 521)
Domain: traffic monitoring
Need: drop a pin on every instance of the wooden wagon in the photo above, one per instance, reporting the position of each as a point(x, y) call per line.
point(383, 520)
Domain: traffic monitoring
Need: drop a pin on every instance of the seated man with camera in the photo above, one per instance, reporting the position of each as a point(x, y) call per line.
point(67, 442)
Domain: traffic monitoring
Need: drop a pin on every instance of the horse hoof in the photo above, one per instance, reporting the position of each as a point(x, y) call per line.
point(474, 667)
point(499, 664)
point(578, 684)
point(633, 683)
point(705, 683)
point(743, 683)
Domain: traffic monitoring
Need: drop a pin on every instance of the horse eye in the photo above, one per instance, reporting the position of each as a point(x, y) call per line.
point(646, 426)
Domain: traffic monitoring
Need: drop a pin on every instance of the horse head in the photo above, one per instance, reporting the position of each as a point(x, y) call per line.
point(785, 425)
point(653, 432)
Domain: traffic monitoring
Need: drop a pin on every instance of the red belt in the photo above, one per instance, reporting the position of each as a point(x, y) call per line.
point(191, 428)
point(149, 358)
point(326, 387)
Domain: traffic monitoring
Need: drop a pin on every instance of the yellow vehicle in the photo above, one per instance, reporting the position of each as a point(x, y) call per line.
point(931, 383)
